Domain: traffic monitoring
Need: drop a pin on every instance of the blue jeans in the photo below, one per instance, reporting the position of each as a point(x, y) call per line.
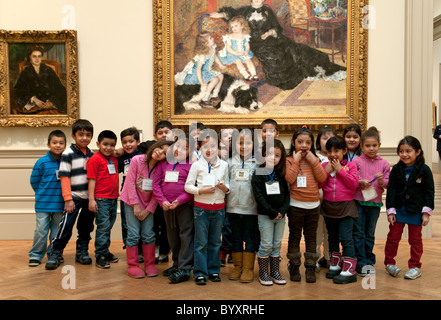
point(340, 232)
point(45, 223)
point(271, 235)
point(207, 241)
point(137, 229)
point(364, 234)
point(105, 219)
point(244, 230)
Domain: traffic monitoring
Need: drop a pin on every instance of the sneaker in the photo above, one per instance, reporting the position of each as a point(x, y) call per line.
point(392, 269)
point(83, 258)
point(112, 258)
point(413, 273)
point(101, 262)
point(214, 277)
point(201, 281)
point(54, 259)
point(34, 262)
point(180, 275)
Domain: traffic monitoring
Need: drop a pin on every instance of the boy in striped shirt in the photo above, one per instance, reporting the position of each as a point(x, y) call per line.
point(74, 186)
point(49, 203)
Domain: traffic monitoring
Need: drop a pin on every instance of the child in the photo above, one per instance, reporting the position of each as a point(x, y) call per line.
point(200, 70)
point(102, 173)
point(373, 173)
point(130, 141)
point(163, 131)
point(74, 188)
point(303, 173)
point(140, 205)
point(322, 234)
point(272, 197)
point(208, 182)
point(49, 202)
point(339, 210)
point(409, 200)
point(225, 153)
point(270, 129)
point(168, 189)
point(237, 48)
point(241, 207)
point(352, 134)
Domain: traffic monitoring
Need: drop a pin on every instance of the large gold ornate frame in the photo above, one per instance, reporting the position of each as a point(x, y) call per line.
point(356, 82)
point(66, 37)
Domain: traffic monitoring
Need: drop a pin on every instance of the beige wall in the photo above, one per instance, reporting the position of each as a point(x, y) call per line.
point(116, 85)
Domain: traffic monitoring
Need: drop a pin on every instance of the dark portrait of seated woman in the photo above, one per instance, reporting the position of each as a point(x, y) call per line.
point(38, 87)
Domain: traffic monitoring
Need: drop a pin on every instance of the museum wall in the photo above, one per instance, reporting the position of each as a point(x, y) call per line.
point(116, 84)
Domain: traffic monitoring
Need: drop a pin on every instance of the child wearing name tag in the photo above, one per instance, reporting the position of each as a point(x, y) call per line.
point(168, 189)
point(339, 210)
point(271, 192)
point(373, 173)
point(103, 180)
point(241, 206)
point(303, 174)
point(140, 204)
point(208, 181)
point(352, 135)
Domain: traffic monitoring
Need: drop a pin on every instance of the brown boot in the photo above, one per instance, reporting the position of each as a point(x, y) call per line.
point(293, 266)
point(248, 267)
point(310, 263)
point(238, 265)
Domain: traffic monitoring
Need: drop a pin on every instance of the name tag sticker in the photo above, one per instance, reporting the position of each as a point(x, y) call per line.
point(111, 168)
point(301, 181)
point(242, 174)
point(171, 176)
point(147, 184)
point(272, 187)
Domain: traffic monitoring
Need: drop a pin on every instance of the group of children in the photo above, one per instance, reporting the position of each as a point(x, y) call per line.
point(231, 196)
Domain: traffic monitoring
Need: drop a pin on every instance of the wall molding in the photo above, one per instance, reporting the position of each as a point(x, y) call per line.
point(437, 28)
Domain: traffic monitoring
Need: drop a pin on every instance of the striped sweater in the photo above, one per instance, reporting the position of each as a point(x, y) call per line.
point(314, 173)
point(46, 185)
point(73, 165)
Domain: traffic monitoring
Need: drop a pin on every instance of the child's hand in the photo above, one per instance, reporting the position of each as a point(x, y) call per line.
point(174, 204)
point(69, 206)
point(143, 214)
point(426, 218)
point(92, 205)
point(336, 164)
point(298, 156)
point(207, 190)
point(328, 167)
point(310, 157)
point(364, 183)
point(221, 186)
point(279, 216)
point(380, 178)
point(391, 218)
point(166, 205)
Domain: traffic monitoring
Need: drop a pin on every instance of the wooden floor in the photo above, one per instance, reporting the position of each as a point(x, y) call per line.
point(18, 281)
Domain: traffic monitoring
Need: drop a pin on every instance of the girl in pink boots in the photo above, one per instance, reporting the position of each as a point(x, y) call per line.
point(140, 204)
point(339, 210)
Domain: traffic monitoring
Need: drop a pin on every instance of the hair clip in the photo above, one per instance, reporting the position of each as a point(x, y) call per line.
point(305, 126)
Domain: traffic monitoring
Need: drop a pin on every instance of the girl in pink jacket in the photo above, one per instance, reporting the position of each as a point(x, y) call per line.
point(339, 210)
point(140, 204)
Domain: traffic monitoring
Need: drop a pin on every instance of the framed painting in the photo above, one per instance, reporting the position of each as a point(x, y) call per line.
point(239, 62)
point(39, 78)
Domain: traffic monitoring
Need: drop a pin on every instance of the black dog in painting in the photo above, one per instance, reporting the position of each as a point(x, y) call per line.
point(236, 96)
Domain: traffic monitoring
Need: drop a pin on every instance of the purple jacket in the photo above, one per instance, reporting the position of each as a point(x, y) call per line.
point(170, 191)
point(342, 186)
point(367, 169)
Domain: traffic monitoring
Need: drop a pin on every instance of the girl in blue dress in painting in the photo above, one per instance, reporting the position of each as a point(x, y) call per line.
point(237, 48)
point(200, 70)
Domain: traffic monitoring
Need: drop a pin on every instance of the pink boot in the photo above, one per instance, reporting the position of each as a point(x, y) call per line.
point(134, 270)
point(335, 267)
point(149, 260)
point(348, 274)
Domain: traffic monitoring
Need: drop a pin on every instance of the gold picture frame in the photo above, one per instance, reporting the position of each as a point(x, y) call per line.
point(354, 110)
point(57, 72)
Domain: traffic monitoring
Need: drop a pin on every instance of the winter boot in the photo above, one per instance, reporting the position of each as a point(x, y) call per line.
point(238, 265)
point(149, 260)
point(248, 267)
point(82, 255)
point(335, 267)
point(348, 273)
point(134, 270)
point(274, 270)
point(294, 265)
point(310, 264)
point(54, 258)
point(264, 277)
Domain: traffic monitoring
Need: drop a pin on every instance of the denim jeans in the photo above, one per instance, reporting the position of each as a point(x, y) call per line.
point(137, 229)
point(207, 241)
point(244, 230)
point(340, 232)
point(271, 235)
point(46, 225)
point(105, 219)
point(364, 234)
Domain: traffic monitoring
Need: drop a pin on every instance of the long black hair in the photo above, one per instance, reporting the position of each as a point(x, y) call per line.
point(415, 144)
